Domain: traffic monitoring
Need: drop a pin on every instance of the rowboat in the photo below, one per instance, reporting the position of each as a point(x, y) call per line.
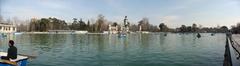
point(122, 35)
point(18, 33)
point(20, 61)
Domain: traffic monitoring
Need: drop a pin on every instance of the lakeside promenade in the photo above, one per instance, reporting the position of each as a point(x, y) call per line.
point(232, 51)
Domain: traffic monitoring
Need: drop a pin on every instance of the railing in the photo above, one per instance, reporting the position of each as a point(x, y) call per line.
point(231, 53)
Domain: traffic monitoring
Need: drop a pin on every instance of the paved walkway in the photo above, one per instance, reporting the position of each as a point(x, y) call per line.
point(236, 42)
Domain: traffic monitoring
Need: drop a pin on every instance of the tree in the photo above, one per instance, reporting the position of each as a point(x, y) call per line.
point(88, 25)
point(189, 29)
point(144, 23)
point(115, 24)
point(235, 30)
point(33, 24)
point(183, 28)
point(21, 28)
point(163, 27)
point(75, 24)
point(100, 24)
point(154, 28)
point(194, 27)
point(82, 25)
point(224, 29)
point(74, 20)
point(44, 24)
point(133, 27)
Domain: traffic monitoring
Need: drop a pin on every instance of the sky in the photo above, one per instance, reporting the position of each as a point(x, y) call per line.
point(174, 13)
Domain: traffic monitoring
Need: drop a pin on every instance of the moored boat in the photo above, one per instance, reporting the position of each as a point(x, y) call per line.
point(18, 33)
point(20, 61)
point(121, 35)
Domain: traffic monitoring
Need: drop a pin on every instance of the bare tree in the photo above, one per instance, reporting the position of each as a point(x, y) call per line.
point(144, 23)
point(100, 24)
point(194, 27)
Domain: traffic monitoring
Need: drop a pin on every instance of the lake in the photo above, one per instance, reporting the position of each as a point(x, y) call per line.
point(154, 49)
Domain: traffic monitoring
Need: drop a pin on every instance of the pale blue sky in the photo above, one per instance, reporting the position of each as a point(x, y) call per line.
point(174, 13)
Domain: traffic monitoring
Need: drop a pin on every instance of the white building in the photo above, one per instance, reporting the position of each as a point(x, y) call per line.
point(7, 28)
point(112, 29)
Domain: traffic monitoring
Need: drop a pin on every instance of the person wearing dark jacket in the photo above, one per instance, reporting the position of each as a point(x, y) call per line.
point(12, 51)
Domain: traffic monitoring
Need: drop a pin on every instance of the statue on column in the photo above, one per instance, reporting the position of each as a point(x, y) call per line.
point(126, 24)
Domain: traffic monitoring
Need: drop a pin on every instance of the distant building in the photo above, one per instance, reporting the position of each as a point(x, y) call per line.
point(7, 28)
point(121, 28)
point(112, 29)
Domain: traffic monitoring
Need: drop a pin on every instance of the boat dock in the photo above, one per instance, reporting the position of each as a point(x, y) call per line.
point(232, 51)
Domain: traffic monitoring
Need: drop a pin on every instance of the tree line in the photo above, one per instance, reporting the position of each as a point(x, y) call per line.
point(200, 29)
point(101, 24)
point(45, 24)
point(235, 28)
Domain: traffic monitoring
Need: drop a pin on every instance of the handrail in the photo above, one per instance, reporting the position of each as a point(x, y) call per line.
point(227, 54)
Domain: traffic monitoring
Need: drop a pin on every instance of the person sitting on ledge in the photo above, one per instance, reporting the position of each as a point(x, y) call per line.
point(12, 51)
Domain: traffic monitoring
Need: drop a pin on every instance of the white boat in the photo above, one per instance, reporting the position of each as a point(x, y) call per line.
point(20, 61)
point(18, 33)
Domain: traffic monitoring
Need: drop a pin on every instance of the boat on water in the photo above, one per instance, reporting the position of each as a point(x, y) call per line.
point(198, 35)
point(165, 34)
point(20, 61)
point(122, 35)
point(18, 33)
point(212, 34)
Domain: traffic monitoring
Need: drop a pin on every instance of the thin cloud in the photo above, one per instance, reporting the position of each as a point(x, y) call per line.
point(170, 18)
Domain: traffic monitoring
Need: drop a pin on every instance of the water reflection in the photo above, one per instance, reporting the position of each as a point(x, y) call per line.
point(133, 50)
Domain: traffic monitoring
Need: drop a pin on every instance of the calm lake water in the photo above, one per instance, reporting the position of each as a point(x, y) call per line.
point(110, 50)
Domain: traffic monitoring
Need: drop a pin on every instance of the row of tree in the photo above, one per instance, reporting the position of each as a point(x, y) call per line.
point(185, 28)
point(195, 28)
point(101, 24)
point(78, 25)
point(236, 28)
point(45, 24)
